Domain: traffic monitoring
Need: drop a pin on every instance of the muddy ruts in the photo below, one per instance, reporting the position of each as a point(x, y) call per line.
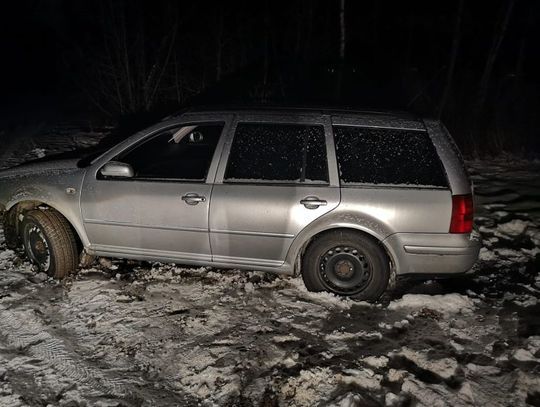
point(24, 332)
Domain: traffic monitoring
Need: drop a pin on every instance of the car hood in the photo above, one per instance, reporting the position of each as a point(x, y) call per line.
point(41, 168)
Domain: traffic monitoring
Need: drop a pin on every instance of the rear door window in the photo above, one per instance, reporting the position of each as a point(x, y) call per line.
point(387, 157)
point(278, 153)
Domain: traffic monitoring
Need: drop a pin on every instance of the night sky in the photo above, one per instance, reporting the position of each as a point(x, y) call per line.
point(110, 60)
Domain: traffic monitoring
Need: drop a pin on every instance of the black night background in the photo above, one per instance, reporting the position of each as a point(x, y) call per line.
point(473, 63)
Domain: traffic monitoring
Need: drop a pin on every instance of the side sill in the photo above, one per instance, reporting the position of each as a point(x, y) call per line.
point(165, 257)
point(246, 261)
point(133, 253)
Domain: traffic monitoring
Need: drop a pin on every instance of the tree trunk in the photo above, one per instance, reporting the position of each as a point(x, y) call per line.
point(342, 47)
point(342, 32)
point(219, 47)
point(375, 25)
point(518, 71)
point(266, 61)
point(453, 58)
point(309, 30)
point(492, 56)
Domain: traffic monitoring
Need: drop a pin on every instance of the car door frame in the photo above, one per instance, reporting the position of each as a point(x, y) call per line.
point(143, 136)
point(282, 118)
point(300, 118)
point(185, 119)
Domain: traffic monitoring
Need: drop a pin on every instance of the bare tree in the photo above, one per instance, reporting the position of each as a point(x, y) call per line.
point(342, 49)
point(342, 31)
point(453, 58)
point(129, 75)
point(492, 56)
point(219, 45)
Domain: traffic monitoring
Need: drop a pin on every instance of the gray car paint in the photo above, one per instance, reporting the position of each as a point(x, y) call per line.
point(254, 225)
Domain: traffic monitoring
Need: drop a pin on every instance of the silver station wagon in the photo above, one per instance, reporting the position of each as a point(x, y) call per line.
point(349, 200)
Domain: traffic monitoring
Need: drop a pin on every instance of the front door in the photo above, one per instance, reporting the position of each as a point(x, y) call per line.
point(276, 181)
point(162, 211)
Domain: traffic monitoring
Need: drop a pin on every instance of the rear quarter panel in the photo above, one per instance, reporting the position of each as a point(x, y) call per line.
point(450, 157)
point(381, 212)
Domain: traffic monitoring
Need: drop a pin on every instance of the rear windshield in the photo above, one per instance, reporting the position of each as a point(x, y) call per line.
point(388, 157)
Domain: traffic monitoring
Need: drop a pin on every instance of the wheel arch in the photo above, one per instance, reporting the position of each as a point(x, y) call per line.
point(306, 241)
point(18, 208)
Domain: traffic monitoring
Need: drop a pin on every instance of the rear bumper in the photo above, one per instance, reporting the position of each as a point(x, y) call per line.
point(433, 253)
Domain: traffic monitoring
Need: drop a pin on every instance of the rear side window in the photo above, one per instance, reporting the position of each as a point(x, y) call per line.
point(283, 153)
point(387, 156)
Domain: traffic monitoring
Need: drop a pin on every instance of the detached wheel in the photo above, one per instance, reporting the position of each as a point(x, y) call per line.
point(348, 264)
point(49, 242)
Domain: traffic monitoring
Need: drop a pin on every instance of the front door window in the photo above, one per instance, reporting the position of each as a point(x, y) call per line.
point(181, 153)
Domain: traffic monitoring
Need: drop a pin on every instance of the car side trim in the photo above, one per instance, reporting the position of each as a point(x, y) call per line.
point(441, 250)
point(245, 232)
point(136, 225)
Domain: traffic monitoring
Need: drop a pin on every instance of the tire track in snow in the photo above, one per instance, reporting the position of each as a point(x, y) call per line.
point(23, 331)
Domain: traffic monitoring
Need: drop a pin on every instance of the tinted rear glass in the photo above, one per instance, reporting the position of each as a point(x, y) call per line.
point(387, 156)
point(278, 153)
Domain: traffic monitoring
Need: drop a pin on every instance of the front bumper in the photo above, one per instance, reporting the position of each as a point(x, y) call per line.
point(433, 253)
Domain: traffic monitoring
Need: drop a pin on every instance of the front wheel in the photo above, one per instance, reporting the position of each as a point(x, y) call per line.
point(49, 242)
point(346, 263)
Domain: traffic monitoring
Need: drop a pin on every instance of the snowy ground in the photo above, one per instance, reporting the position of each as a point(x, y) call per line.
point(127, 334)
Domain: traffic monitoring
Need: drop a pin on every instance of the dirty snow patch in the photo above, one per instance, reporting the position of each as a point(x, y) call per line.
point(513, 228)
point(445, 368)
point(446, 304)
point(307, 388)
point(376, 362)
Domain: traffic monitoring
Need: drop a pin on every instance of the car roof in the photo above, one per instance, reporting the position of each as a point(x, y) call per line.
point(340, 115)
point(294, 108)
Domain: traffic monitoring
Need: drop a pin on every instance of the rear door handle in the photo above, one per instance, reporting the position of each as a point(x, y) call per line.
point(313, 202)
point(193, 198)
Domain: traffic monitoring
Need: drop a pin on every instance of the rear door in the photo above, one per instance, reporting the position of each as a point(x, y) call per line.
point(273, 180)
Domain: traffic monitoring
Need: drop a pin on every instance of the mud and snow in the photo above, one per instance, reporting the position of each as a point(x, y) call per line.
point(123, 333)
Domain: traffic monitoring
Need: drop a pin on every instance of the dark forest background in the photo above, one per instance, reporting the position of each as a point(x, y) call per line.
point(474, 64)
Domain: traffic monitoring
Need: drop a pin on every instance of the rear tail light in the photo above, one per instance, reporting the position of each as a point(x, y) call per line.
point(462, 214)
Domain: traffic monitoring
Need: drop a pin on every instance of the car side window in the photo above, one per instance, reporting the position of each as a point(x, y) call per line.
point(278, 153)
point(388, 157)
point(180, 153)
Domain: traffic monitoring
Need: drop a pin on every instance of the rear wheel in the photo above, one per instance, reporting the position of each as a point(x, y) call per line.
point(346, 263)
point(49, 242)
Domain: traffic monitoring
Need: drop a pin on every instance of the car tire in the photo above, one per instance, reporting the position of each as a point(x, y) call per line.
point(50, 243)
point(346, 263)
point(11, 237)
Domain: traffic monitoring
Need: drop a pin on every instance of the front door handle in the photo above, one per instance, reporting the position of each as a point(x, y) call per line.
point(193, 198)
point(312, 202)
